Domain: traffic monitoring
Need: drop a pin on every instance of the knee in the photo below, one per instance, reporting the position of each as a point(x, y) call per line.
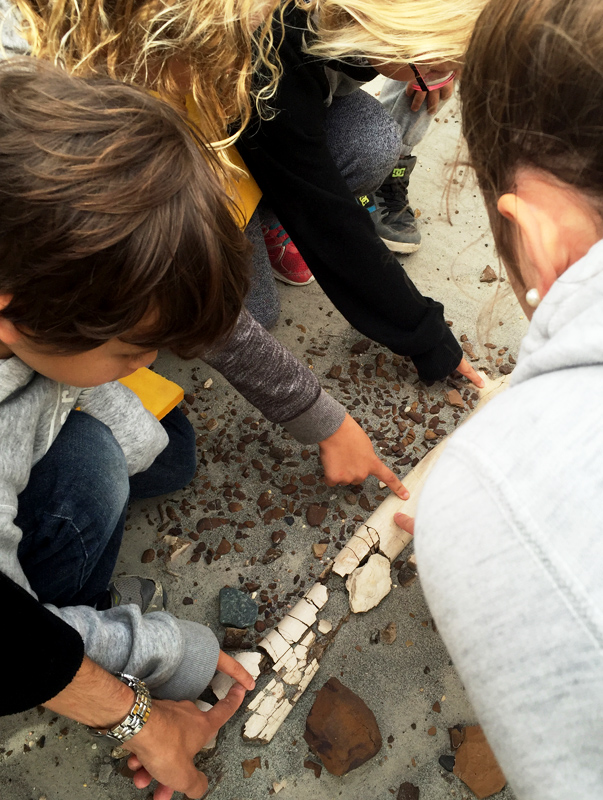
point(183, 446)
point(265, 310)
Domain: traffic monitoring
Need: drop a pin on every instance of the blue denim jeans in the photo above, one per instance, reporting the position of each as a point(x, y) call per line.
point(73, 510)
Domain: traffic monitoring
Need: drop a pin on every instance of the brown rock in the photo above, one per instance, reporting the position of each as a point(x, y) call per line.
point(476, 765)
point(457, 736)
point(271, 555)
point(250, 765)
point(455, 399)
point(389, 633)
point(361, 347)
point(408, 791)
point(429, 435)
point(278, 536)
point(319, 550)
point(313, 766)
point(334, 372)
point(234, 507)
point(316, 515)
point(432, 731)
point(436, 707)
point(223, 547)
point(341, 729)
point(233, 638)
point(264, 500)
point(505, 369)
point(147, 556)
point(488, 275)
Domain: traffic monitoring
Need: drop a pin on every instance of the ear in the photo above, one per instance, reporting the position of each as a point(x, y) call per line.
point(8, 333)
point(539, 238)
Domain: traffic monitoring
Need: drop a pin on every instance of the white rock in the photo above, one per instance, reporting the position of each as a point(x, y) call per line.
point(368, 585)
point(276, 786)
point(324, 626)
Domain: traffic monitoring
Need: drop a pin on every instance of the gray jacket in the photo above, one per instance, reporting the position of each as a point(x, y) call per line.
point(176, 657)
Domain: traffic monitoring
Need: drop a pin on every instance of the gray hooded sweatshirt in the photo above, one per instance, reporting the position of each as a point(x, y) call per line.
point(509, 542)
point(177, 658)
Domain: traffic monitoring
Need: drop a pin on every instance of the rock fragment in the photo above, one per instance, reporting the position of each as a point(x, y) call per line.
point(250, 765)
point(488, 275)
point(316, 515)
point(389, 633)
point(408, 791)
point(455, 399)
point(148, 556)
point(319, 550)
point(317, 768)
point(476, 765)
point(237, 610)
point(341, 729)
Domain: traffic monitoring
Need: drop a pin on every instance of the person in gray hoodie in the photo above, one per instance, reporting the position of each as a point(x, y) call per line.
point(509, 534)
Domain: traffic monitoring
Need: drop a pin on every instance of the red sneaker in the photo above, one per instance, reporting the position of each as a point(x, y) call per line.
point(287, 263)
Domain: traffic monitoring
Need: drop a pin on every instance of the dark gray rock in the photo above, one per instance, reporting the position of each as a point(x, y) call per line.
point(237, 610)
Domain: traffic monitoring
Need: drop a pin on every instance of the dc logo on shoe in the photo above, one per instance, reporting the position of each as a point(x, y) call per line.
point(398, 172)
point(364, 200)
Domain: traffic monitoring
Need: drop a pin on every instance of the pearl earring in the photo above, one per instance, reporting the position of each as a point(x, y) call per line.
point(533, 298)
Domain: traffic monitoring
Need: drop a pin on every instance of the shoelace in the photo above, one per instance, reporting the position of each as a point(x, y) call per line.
point(277, 232)
point(394, 192)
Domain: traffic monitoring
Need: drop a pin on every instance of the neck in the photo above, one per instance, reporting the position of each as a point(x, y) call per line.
point(5, 352)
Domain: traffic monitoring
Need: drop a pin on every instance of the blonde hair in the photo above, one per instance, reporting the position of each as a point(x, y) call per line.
point(216, 45)
point(391, 31)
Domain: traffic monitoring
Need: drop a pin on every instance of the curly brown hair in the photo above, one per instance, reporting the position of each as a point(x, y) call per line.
point(110, 214)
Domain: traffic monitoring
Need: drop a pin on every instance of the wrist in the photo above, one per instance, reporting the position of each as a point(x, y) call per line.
point(137, 716)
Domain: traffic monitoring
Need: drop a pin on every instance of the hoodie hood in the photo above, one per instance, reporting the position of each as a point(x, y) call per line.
point(567, 327)
point(14, 375)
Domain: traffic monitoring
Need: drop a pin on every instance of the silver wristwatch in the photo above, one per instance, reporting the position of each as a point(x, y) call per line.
point(139, 713)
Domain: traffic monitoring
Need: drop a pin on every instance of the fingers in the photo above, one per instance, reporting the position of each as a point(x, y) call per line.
point(417, 100)
point(433, 101)
point(224, 709)
point(405, 522)
point(230, 666)
point(468, 372)
point(384, 473)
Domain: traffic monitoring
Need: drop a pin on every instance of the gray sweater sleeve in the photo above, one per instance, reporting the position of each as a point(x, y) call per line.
point(273, 380)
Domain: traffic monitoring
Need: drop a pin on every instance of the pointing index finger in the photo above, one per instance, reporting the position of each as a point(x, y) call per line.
point(384, 473)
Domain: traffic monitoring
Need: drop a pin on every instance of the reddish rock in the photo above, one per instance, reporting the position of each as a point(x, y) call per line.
point(476, 765)
point(408, 791)
point(316, 515)
point(341, 729)
point(223, 547)
point(455, 399)
point(316, 768)
point(148, 556)
point(488, 275)
point(250, 765)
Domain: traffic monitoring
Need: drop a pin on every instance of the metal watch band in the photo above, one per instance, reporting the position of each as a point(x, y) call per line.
point(139, 713)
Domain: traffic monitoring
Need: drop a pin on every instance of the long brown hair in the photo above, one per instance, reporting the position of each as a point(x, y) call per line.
point(532, 96)
point(110, 215)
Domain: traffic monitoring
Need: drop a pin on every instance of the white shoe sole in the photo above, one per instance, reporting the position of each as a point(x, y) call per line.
point(282, 278)
point(400, 247)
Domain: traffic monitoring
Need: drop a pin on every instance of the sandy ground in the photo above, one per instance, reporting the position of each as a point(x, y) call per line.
point(42, 756)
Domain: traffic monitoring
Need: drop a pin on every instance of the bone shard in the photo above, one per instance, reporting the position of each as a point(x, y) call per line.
point(221, 682)
point(368, 585)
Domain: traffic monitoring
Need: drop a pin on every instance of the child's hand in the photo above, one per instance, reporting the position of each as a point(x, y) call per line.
point(433, 98)
point(348, 457)
point(468, 372)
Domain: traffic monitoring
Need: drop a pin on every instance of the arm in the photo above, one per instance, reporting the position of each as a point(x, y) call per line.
point(173, 734)
point(331, 230)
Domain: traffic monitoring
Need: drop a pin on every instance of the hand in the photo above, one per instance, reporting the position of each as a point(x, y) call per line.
point(468, 372)
point(433, 98)
point(405, 522)
point(348, 457)
point(176, 731)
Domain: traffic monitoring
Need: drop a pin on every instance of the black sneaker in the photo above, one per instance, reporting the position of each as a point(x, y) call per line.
point(145, 593)
point(391, 213)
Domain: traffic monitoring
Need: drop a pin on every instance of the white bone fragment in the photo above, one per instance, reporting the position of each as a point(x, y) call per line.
point(309, 673)
point(276, 786)
point(203, 706)
point(301, 652)
point(324, 626)
point(368, 585)
point(286, 662)
point(169, 540)
point(303, 611)
point(221, 682)
point(267, 691)
point(308, 639)
point(317, 594)
point(274, 644)
point(261, 728)
point(291, 629)
point(356, 550)
point(294, 676)
point(178, 549)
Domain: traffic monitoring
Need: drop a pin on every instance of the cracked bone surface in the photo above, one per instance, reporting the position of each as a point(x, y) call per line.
point(221, 682)
point(368, 585)
point(380, 532)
